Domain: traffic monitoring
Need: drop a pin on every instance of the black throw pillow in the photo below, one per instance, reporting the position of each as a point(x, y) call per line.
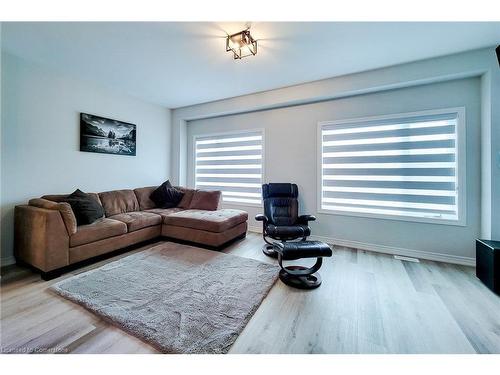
point(85, 207)
point(158, 195)
point(166, 196)
point(173, 197)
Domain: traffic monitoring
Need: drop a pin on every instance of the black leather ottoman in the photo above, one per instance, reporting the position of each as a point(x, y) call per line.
point(299, 276)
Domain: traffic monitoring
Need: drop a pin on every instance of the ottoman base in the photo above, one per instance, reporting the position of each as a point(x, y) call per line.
point(301, 282)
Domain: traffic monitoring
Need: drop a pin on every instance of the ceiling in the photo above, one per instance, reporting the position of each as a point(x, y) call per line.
point(182, 63)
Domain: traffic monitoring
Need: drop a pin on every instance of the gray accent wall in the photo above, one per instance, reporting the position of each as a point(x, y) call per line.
point(290, 155)
point(40, 139)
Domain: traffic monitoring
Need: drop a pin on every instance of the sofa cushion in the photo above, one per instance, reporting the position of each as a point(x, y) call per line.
point(211, 221)
point(205, 200)
point(164, 211)
point(138, 220)
point(142, 195)
point(186, 199)
point(98, 230)
point(118, 202)
point(89, 250)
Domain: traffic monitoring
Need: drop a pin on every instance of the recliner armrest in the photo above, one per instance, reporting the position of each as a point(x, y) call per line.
point(261, 217)
point(304, 219)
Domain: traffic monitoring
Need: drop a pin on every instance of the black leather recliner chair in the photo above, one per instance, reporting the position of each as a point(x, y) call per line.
point(281, 220)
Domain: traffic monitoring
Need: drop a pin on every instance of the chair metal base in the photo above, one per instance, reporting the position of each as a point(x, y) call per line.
point(311, 281)
point(269, 251)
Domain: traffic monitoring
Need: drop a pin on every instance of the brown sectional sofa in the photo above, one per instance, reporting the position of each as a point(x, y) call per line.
point(48, 238)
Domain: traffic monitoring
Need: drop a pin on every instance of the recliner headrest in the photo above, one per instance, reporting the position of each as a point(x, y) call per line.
point(275, 190)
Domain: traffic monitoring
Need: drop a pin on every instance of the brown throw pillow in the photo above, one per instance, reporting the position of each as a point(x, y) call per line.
point(205, 200)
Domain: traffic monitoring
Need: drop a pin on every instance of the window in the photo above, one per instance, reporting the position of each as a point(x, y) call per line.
point(232, 163)
point(406, 167)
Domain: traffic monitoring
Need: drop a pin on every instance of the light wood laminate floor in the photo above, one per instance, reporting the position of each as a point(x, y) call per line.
point(368, 303)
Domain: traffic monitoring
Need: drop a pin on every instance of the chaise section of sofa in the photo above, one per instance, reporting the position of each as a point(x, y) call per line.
point(212, 228)
point(48, 238)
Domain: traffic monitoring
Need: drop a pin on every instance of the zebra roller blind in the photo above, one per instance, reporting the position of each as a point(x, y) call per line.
point(398, 166)
point(231, 163)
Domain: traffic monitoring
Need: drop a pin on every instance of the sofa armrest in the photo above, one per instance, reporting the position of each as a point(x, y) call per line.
point(63, 207)
point(41, 238)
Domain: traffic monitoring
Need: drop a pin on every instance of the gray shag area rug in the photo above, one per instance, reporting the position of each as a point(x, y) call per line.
point(178, 298)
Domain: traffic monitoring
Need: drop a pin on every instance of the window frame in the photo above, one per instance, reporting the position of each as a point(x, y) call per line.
point(250, 130)
point(460, 167)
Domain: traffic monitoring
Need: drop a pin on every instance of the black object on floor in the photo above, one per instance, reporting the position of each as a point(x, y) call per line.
point(299, 276)
point(488, 263)
point(281, 220)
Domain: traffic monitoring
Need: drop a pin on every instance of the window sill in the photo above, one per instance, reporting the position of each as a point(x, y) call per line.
point(424, 220)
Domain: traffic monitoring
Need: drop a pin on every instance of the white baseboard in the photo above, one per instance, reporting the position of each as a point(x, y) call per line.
point(7, 261)
point(419, 254)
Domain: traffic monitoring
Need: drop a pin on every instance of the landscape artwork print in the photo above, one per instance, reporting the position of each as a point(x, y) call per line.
point(99, 134)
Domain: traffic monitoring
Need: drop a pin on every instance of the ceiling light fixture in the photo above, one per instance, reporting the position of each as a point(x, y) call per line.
point(242, 44)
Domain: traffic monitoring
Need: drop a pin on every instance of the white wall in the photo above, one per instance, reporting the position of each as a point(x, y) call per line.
point(40, 139)
point(291, 156)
